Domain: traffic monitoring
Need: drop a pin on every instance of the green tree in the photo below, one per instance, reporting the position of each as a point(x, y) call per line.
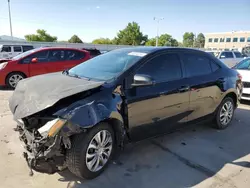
point(188, 39)
point(180, 44)
point(41, 36)
point(102, 41)
point(164, 40)
point(151, 42)
point(75, 39)
point(200, 41)
point(131, 35)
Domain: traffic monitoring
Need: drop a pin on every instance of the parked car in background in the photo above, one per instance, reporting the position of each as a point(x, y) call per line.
point(86, 113)
point(230, 58)
point(243, 67)
point(9, 51)
point(39, 61)
point(93, 52)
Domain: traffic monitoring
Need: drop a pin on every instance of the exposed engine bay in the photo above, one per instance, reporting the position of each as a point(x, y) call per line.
point(45, 143)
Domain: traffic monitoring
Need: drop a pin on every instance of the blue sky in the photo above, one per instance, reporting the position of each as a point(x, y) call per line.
point(91, 19)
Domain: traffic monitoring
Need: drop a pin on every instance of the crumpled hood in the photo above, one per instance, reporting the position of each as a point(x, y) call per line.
point(40, 92)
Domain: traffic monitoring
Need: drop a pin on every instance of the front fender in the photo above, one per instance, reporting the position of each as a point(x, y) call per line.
point(88, 112)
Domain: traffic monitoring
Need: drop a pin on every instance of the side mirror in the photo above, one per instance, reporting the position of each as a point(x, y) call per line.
point(222, 57)
point(34, 60)
point(142, 80)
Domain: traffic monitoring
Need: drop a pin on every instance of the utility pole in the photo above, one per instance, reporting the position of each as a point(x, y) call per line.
point(10, 20)
point(158, 21)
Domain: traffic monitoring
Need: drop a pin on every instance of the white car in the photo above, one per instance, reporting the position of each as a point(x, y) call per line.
point(230, 58)
point(243, 67)
point(9, 51)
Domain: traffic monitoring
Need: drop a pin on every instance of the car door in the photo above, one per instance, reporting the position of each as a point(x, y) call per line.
point(204, 78)
point(73, 58)
point(41, 66)
point(157, 108)
point(227, 58)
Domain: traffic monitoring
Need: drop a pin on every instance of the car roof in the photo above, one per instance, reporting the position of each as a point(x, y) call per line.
point(64, 48)
point(151, 49)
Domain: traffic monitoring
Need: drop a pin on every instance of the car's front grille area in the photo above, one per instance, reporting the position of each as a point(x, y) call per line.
point(246, 95)
point(246, 84)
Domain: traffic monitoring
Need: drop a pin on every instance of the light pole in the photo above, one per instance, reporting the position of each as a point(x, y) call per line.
point(10, 20)
point(157, 37)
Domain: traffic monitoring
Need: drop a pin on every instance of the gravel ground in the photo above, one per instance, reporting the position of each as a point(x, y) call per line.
point(197, 156)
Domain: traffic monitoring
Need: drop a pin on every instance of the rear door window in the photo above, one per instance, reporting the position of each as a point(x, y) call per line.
point(238, 54)
point(57, 55)
point(17, 49)
point(71, 55)
point(196, 65)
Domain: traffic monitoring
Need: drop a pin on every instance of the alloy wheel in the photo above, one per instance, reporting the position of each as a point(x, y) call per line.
point(226, 113)
point(14, 79)
point(99, 151)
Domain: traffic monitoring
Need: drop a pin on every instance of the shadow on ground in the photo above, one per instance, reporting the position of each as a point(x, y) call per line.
point(181, 159)
point(4, 88)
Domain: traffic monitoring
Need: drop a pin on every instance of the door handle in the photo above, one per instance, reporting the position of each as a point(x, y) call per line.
point(221, 80)
point(184, 88)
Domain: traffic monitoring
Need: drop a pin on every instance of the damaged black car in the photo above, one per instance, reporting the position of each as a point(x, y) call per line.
point(79, 118)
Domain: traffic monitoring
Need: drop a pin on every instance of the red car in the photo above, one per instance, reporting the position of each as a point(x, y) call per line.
point(39, 61)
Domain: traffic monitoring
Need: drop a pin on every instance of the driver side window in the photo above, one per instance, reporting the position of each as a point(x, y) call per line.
point(42, 56)
point(163, 68)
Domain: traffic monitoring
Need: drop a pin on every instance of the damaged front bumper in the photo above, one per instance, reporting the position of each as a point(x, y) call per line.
point(45, 148)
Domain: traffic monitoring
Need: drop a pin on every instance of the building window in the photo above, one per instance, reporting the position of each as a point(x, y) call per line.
point(228, 40)
point(248, 39)
point(235, 39)
point(210, 40)
point(242, 39)
point(222, 39)
point(216, 39)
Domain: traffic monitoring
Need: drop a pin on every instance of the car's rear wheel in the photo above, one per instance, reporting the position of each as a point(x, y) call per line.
point(13, 79)
point(91, 152)
point(225, 113)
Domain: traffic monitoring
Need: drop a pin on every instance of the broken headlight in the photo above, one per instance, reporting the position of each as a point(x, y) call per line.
point(52, 127)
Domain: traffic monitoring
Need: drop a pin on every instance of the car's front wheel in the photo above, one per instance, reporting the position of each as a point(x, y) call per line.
point(225, 113)
point(91, 152)
point(13, 79)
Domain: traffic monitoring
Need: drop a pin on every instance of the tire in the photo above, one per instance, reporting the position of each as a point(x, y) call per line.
point(219, 123)
point(13, 78)
point(76, 157)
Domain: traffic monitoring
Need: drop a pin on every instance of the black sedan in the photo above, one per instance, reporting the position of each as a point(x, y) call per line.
point(78, 119)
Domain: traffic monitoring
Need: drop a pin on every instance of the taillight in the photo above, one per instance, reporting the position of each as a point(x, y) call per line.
point(239, 76)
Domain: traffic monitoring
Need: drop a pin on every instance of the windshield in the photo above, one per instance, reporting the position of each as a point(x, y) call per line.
point(108, 65)
point(24, 54)
point(244, 65)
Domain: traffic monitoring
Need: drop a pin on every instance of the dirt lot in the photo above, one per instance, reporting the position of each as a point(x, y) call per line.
point(197, 156)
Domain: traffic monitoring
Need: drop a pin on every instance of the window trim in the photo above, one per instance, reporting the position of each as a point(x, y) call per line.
point(156, 55)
